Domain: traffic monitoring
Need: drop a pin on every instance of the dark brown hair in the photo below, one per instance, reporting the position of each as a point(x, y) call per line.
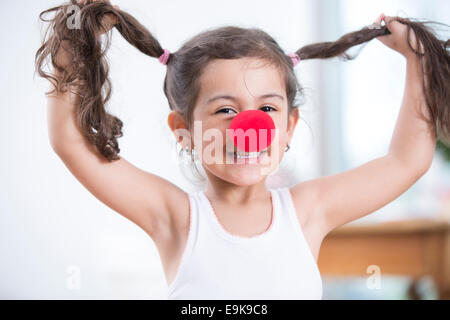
point(184, 67)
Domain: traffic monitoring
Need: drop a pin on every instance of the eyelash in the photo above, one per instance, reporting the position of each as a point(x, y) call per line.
point(266, 105)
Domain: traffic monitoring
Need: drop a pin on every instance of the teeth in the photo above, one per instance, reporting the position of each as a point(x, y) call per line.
point(240, 155)
point(248, 154)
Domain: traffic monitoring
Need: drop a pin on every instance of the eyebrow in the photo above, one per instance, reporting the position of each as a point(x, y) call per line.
point(228, 97)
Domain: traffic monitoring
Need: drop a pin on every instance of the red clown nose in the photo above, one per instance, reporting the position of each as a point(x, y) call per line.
point(262, 125)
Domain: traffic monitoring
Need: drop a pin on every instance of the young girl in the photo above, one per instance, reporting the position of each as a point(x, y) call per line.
point(236, 239)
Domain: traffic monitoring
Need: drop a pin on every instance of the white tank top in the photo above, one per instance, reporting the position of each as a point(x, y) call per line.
point(277, 264)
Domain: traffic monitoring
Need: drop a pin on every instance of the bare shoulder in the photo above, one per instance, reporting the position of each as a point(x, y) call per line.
point(176, 224)
point(305, 197)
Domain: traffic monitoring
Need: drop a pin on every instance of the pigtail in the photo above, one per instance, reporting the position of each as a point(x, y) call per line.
point(434, 61)
point(88, 72)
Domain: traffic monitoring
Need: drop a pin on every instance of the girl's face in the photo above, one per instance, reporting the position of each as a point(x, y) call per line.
point(244, 81)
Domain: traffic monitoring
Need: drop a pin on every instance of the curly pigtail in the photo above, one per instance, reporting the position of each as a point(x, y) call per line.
point(436, 70)
point(88, 71)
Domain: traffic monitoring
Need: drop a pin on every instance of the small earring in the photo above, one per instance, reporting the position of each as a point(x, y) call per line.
point(287, 148)
point(183, 152)
point(190, 153)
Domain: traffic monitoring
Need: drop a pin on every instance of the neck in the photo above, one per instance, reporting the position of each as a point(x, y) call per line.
point(218, 189)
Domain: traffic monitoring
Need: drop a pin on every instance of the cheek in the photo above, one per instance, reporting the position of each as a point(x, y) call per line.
point(281, 126)
point(215, 128)
point(212, 144)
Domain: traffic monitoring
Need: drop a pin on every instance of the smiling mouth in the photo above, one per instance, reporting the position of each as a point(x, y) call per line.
point(247, 155)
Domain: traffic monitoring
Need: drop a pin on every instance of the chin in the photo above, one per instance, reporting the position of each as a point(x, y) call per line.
point(247, 181)
point(238, 176)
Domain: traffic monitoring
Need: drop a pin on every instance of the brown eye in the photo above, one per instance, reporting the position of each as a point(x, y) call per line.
point(223, 110)
point(267, 106)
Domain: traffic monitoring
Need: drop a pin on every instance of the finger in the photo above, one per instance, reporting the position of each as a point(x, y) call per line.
point(388, 19)
point(110, 20)
point(379, 19)
point(392, 24)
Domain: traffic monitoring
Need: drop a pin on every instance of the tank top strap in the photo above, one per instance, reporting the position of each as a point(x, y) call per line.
point(289, 209)
point(288, 206)
point(286, 210)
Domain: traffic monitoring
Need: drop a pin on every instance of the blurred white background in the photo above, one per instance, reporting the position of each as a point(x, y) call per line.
point(57, 241)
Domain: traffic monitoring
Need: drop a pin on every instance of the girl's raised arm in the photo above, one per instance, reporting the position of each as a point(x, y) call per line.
point(84, 135)
point(144, 198)
point(355, 193)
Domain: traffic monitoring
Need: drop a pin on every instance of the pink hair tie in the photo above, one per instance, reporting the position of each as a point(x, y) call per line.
point(164, 57)
point(295, 58)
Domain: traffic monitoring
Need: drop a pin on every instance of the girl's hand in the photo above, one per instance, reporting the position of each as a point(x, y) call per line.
point(109, 21)
point(397, 40)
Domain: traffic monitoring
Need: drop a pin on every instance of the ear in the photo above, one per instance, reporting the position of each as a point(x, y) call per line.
point(179, 128)
point(292, 123)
